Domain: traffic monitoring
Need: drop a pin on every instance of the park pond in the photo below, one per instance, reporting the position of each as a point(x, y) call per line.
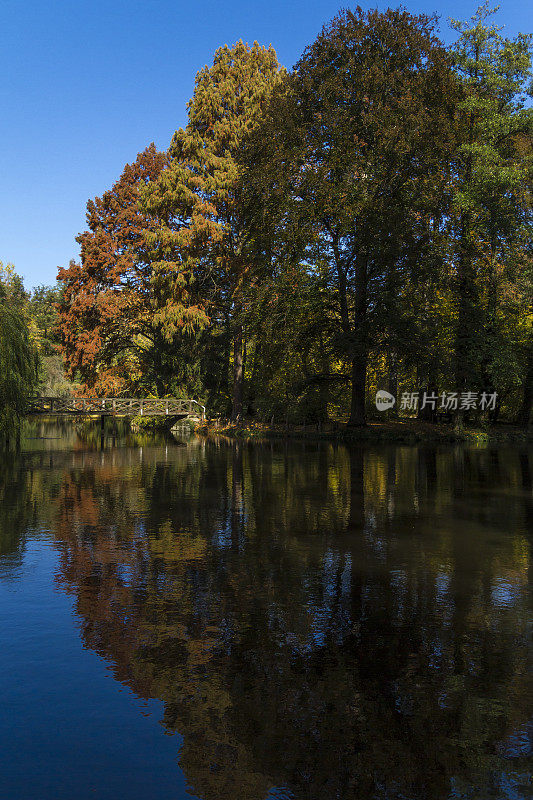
point(224, 620)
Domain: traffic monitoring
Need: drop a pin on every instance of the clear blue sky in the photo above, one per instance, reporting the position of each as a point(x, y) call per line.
point(86, 84)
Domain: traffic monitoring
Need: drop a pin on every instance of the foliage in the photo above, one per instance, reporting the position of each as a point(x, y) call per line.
point(200, 249)
point(349, 163)
point(361, 222)
point(491, 220)
point(18, 354)
point(109, 334)
point(42, 308)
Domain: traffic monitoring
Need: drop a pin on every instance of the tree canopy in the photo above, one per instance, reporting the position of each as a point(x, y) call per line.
point(202, 241)
point(360, 222)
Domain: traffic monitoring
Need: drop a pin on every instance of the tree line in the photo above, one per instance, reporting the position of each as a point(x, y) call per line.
point(360, 222)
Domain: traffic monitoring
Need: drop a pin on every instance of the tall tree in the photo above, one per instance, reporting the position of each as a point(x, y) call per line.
point(201, 243)
point(491, 212)
point(350, 164)
point(108, 309)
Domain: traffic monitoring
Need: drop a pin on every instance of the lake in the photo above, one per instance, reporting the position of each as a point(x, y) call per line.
point(210, 619)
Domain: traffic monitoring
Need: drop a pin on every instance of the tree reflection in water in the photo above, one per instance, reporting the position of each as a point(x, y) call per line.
point(343, 623)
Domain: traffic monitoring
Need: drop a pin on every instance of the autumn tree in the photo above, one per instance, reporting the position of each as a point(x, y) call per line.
point(202, 242)
point(351, 159)
point(108, 309)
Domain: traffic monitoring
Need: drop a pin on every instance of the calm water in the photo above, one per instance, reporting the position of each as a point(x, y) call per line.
point(242, 622)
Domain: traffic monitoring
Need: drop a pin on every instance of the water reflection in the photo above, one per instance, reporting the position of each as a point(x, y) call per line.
point(319, 622)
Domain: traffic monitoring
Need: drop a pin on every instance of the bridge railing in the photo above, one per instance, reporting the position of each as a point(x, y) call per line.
point(120, 406)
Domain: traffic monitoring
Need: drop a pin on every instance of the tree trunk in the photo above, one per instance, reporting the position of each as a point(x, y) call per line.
point(251, 393)
point(360, 353)
point(324, 385)
point(465, 366)
point(428, 413)
point(357, 410)
point(527, 396)
point(392, 380)
point(238, 373)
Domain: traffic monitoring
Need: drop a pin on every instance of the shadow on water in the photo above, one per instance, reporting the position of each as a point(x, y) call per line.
point(319, 622)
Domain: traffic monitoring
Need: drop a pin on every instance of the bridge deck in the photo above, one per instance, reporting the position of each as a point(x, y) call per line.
point(116, 406)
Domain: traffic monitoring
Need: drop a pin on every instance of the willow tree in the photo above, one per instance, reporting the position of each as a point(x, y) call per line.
point(349, 165)
point(201, 246)
point(18, 362)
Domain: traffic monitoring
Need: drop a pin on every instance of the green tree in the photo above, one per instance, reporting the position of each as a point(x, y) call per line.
point(18, 354)
point(491, 216)
point(350, 163)
point(293, 373)
point(43, 303)
point(201, 250)
point(43, 310)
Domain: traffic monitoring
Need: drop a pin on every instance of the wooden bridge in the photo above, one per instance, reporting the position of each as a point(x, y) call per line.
point(171, 408)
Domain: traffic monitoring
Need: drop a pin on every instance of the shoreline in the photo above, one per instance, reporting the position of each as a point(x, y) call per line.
point(396, 432)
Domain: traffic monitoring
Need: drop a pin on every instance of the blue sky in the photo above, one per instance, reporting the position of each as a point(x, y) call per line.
point(86, 85)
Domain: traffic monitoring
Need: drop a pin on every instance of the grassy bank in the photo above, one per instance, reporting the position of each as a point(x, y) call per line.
point(405, 431)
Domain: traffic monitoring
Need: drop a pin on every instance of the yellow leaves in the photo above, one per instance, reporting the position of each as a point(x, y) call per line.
point(8, 274)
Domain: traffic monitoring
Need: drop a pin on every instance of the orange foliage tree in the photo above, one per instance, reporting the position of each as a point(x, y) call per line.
point(106, 314)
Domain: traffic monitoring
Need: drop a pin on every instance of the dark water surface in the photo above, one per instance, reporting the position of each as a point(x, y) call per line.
point(227, 621)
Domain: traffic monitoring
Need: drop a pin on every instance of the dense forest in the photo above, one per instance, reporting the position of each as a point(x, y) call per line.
point(360, 222)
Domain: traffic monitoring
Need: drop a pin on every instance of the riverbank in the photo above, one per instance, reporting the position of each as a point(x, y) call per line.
point(402, 432)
